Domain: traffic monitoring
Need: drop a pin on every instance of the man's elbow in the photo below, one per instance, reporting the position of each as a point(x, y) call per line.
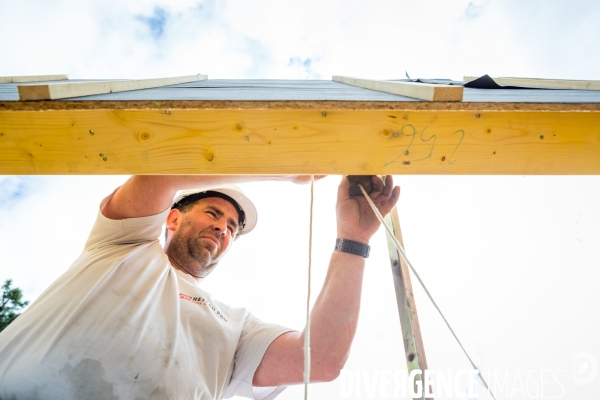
point(329, 375)
point(329, 370)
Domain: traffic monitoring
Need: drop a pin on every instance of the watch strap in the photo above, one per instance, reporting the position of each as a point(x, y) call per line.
point(353, 247)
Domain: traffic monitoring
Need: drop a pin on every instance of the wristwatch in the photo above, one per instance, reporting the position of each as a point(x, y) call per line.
point(350, 246)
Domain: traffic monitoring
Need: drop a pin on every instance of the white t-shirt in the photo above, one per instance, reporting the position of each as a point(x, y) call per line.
point(122, 323)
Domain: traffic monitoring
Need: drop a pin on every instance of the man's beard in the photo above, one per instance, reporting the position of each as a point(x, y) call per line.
point(191, 255)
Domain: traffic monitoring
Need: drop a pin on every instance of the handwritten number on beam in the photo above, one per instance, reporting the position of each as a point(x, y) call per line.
point(456, 148)
point(427, 140)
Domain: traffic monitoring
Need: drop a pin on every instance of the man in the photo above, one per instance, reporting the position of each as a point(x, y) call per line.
point(129, 320)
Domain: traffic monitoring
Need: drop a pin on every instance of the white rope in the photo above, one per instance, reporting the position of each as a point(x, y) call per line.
point(403, 254)
point(307, 329)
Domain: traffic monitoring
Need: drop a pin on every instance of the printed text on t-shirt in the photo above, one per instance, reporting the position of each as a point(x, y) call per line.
point(202, 301)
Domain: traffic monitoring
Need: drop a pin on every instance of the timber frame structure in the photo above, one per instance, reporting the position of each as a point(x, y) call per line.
point(388, 135)
point(356, 133)
point(233, 137)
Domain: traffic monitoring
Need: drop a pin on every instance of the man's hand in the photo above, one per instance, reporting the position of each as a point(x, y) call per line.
point(355, 218)
point(334, 316)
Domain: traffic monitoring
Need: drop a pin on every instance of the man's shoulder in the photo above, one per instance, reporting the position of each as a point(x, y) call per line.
point(106, 231)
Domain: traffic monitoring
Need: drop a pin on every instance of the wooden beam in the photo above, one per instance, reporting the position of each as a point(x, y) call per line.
point(32, 78)
point(407, 308)
point(298, 141)
point(422, 91)
point(544, 83)
point(55, 91)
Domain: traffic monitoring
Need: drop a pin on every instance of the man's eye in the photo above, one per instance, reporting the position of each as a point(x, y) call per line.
point(211, 213)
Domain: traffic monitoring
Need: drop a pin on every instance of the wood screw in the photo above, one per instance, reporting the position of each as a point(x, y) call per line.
point(477, 115)
point(246, 138)
point(167, 111)
point(324, 113)
point(101, 154)
point(104, 158)
point(91, 132)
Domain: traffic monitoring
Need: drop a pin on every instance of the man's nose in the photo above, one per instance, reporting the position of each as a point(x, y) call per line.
point(220, 226)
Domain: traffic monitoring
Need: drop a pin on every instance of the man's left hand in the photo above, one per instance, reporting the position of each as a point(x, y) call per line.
point(355, 218)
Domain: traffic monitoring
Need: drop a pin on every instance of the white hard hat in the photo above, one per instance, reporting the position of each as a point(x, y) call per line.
point(231, 193)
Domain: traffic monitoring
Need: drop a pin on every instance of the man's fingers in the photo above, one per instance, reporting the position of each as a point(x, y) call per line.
point(388, 186)
point(383, 193)
point(383, 188)
point(344, 188)
point(389, 197)
point(376, 186)
point(394, 197)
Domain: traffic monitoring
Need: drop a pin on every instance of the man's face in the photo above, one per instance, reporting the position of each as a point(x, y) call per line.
point(203, 235)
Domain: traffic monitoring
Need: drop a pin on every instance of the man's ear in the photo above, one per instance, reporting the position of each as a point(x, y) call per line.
point(173, 219)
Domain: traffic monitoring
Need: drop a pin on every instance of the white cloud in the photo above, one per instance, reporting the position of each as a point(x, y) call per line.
point(238, 39)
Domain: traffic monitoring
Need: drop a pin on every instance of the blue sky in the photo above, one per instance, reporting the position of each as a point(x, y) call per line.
point(511, 260)
point(14, 189)
point(156, 23)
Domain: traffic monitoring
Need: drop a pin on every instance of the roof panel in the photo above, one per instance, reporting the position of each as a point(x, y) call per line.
point(309, 90)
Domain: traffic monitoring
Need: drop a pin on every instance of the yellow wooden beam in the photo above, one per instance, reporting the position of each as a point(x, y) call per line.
point(298, 141)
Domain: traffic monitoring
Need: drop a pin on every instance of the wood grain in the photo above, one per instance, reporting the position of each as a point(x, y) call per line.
point(296, 141)
point(423, 91)
point(545, 83)
point(53, 91)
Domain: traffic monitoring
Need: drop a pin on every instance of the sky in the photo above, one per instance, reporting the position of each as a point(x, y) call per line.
point(510, 259)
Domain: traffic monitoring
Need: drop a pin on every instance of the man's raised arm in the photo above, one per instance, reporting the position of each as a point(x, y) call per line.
point(334, 317)
point(144, 195)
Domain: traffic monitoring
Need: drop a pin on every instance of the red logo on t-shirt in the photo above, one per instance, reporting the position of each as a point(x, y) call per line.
point(202, 301)
point(185, 297)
